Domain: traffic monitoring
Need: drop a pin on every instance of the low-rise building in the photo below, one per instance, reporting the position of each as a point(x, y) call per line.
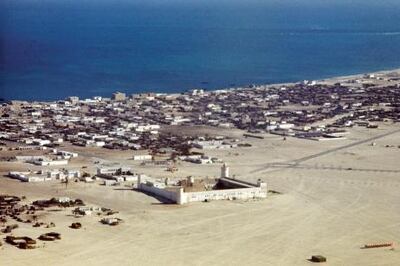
point(143, 157)
point(119, 96)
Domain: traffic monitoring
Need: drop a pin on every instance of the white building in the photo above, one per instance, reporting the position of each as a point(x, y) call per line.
point(41, 142)
point(143, 157)
point(49, 162)
point(113, 170)
point(65, 154)
point(211, 144)
point(24, 176)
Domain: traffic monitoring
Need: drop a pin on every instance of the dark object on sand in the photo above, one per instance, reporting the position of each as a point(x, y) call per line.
point(22, 242)
point(50, 236)
point(318, 258)
point(76, 225)
point(53, 202)
point(379, 245)
point(37, 224)
point(45, 237)
point(50, 225)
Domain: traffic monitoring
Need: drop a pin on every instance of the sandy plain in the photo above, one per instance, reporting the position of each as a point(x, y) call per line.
point(339, 196)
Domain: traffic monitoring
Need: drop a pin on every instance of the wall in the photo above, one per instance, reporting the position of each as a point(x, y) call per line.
point(22, 177)
point(142, 157)
point(29, 158)
point(50, 163)
point(170, 195)
point(224, 194)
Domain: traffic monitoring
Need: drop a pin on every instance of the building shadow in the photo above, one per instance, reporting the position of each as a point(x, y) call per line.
point(162, 200)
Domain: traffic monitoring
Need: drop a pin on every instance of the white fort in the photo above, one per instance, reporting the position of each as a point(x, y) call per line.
point(192, 190)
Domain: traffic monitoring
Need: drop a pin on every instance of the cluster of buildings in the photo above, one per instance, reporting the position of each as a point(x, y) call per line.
point(136, 121)
point(57, 158)
point(45, 175)
point(115, 174)
point(49, 164)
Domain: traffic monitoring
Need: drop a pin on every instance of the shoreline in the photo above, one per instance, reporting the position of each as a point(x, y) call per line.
point(327, 80)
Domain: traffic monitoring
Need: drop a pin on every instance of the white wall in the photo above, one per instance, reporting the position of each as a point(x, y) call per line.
point(142, 157)
point(224, 194)
point(50, 163)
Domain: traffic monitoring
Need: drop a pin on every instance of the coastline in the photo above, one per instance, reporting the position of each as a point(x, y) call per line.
point(334, 79)
point(329, 80)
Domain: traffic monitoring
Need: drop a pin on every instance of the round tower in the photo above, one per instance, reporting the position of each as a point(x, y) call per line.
point(190, 180)
point(224, 171)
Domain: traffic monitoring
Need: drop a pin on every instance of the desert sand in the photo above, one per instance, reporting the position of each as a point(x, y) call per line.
point(330, 204)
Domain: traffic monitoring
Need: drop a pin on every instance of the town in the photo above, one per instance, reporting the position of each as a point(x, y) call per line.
point(150, 124)
point(313, 110)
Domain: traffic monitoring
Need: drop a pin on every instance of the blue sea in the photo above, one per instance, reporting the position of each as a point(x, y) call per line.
point(51, 49)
